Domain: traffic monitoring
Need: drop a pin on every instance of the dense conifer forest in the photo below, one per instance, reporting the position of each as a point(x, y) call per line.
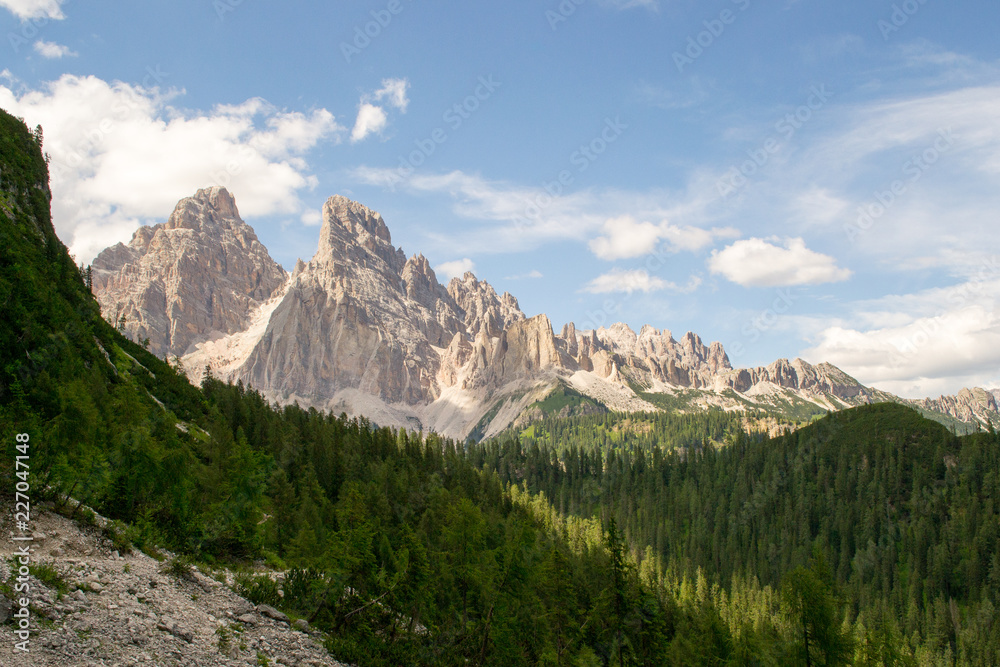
point(869, 537)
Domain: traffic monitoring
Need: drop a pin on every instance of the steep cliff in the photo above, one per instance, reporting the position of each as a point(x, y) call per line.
point(198, 275)
point(361, 328)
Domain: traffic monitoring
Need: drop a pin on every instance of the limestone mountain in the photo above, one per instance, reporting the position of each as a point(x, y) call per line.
point(195, 276)
point(360, 328)
point(972, 406)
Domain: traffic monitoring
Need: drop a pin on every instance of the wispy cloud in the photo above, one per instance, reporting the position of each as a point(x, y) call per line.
point(515, 217)
point(53, 51)
point(624, 281)
point(530, 275)
point(371, 120)
point(624, 238)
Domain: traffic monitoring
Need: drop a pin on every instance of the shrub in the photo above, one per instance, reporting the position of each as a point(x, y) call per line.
point(259, 589)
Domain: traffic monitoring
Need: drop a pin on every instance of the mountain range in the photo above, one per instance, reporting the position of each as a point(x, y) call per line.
point(361, 328)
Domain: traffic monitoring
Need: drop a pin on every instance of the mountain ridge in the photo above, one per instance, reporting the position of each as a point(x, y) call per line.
point(361, 328)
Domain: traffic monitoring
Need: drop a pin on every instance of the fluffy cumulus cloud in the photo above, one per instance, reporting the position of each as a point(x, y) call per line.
point(122, 155)
point(372, 116)
point(624, 238)
point(455, 269)
point(33, 9)
point(921, 345)
point(756, 262)
point(52, 51)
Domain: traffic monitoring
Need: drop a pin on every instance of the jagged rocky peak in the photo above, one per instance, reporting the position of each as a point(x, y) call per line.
point(525, 347)
point(799, 375)
point(969, 405)
point(421, 282)
point(351, 230)
point(207, 209)
point(568, 339)
point(485, 311)
point(355, 217)
point(182, 281)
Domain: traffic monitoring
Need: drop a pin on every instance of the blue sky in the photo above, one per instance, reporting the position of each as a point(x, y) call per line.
point(793, 178)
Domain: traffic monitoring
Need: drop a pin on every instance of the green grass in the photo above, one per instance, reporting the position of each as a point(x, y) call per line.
point(565, 397)
point(180, 568)
point(50, 576)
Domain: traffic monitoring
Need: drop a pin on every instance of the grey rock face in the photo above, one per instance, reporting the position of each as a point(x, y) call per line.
point(196, 275)
point(974, 406)
point(362, 328)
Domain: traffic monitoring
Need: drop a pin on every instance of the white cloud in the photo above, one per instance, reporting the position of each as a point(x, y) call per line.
point(312, 217)
point(637, 280)
point(53, 51)
point(394, 90)
point(515, 217)
point(455, 269)
point(922, 344)
point(371, 120)
point(625, 238)
point(925, 357)
point(31, 9)
point(756, 263)
point(122, 155)
point(530, 275)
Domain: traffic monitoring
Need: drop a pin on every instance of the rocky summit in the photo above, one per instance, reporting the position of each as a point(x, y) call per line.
point(196, 276)
point(361, 328)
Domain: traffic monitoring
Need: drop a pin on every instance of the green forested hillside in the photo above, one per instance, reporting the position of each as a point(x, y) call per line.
point(867, 538)
point(906, 515)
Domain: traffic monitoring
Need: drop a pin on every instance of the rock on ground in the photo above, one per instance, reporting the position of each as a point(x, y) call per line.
point(123, 610)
